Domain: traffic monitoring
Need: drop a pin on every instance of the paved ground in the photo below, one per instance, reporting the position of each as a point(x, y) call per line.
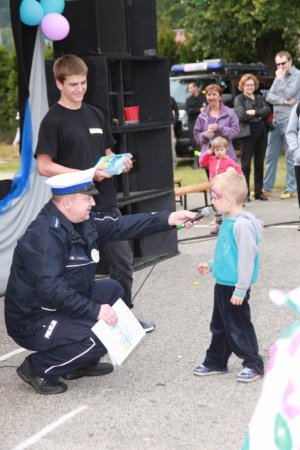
point(153, 401)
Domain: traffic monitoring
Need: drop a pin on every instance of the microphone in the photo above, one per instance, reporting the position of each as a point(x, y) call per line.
point(204, 212)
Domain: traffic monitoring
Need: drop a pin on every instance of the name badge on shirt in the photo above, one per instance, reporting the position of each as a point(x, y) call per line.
point(96, 131)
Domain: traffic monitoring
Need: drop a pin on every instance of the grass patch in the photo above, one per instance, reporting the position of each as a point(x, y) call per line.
point(9, 153)
point(9, 158)
point(9, 167)
point(10, 161)
point(189, 175)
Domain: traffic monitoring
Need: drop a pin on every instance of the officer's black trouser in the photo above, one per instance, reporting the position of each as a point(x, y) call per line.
point(232, 332)
point(71, 344)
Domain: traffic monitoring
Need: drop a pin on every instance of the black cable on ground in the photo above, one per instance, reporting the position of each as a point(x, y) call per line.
point(155, 262)
point(199, 238)
point(208, 236)
point(294, 222)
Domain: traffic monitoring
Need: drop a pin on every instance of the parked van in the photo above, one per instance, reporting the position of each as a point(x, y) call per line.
point(227, 75)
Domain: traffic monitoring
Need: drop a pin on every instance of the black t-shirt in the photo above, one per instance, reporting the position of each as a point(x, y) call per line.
point(77, 139)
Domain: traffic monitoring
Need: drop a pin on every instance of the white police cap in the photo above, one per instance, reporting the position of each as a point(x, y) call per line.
point(73, 182)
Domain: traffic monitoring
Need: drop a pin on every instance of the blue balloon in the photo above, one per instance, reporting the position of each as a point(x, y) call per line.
point(31, 12)
point(53, 6)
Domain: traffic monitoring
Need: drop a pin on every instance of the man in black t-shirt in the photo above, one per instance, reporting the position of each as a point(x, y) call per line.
point(64, 140)
point(73, 136)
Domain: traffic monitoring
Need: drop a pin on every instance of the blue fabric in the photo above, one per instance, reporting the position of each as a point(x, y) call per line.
point(20, 182)
point(70, 189)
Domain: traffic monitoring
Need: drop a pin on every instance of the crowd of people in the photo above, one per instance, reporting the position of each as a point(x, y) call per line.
point(52, 299)
point(259, 139)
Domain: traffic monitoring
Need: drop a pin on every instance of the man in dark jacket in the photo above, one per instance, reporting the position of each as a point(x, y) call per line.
point(193, 106)
point(52, 300)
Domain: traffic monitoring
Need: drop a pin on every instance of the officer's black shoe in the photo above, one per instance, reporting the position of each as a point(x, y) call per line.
point(91, 370)
point(147, 326)
point(40, 385)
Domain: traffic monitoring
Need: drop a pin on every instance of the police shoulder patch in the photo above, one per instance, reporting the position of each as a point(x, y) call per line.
point(55, 222)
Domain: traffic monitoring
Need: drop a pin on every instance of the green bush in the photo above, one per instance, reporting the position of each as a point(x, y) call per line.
point(8, 94)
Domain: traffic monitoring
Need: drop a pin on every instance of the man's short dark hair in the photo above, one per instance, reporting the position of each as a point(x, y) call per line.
point(194, 83)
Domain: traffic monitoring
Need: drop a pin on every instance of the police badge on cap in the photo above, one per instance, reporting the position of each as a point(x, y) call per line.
point(73, 183)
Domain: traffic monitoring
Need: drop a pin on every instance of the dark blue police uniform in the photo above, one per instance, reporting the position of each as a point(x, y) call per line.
point(52, 299)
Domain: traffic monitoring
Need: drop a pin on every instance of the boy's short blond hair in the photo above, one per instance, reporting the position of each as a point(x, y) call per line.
point(231, 184)
point(219, 142)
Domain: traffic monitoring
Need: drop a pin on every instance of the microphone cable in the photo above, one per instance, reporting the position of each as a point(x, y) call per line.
point(203, 212)
point(209, 236)
point(156, 260)
point(195, 238)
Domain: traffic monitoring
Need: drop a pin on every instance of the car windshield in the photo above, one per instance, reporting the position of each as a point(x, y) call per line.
point(179, 88)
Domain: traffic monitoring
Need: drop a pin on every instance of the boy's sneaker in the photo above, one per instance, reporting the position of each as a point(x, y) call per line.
point(247, 375)
point(203, 370)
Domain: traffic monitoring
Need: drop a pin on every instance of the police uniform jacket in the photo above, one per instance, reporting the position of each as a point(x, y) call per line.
point(55, 261)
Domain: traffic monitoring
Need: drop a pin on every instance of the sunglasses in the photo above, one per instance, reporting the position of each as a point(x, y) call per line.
point(281, 63)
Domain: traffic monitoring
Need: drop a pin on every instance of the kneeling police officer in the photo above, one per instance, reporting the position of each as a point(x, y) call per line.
point(52, 299)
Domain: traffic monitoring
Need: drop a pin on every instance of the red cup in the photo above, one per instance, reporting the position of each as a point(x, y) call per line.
point(132, 114)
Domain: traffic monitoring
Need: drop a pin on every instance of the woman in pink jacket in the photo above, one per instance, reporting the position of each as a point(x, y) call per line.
point(216, 120)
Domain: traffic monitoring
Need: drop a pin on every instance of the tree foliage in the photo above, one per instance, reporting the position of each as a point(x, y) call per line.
point(166, 43)
point(8, 92)
point(170, 16)
point(170, 12)
point(244, 30)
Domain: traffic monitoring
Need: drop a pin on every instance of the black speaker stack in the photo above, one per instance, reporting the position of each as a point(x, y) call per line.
point(110, 27)
point(117, 40)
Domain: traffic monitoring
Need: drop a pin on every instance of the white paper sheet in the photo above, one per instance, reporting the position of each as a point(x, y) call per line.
point(121, 339)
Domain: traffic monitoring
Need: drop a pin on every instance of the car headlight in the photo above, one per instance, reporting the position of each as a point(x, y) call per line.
point(183, 118)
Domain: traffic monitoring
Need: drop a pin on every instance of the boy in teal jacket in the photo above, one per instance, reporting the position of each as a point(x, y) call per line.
point(235, 267)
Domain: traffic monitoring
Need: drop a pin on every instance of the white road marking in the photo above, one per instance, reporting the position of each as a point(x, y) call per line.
point(44, 431)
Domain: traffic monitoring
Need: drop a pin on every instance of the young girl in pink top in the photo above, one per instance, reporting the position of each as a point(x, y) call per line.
point(216, 161)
